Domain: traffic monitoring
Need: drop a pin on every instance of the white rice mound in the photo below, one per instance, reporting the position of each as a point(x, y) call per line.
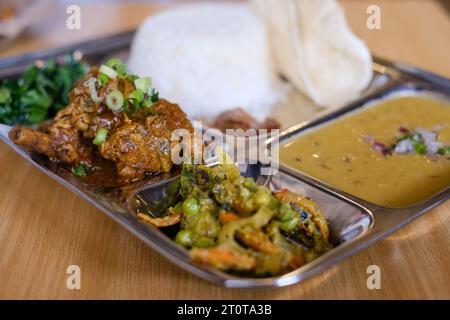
point(208, 58)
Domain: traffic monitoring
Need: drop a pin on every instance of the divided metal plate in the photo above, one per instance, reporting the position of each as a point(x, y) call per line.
point(354, 223)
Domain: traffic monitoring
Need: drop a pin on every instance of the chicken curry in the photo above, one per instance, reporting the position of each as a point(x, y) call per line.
point(112, 119)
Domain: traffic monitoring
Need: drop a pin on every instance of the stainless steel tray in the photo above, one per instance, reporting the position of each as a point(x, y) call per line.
point(354, 223)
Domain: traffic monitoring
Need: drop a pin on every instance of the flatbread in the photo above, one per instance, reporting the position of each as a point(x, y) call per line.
point(315, 49)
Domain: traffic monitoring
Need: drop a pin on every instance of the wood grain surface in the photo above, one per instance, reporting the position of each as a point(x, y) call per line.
point(44, 228)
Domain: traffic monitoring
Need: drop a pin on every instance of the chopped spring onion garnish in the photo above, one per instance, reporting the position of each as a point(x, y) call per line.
point(100, 136)
point(80, 171)
point(110, 72)
point(144, 96)
point(148, 103)
point(114, 100)
point(113, 62)
point(102, 78)
point(137, 95)
point(118, 66)
point(143, 84)
point(420, 147)
point(419, 141)
point(92, 90)
point(154, 95)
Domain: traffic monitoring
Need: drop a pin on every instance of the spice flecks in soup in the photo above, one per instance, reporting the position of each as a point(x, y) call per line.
point(338, 153)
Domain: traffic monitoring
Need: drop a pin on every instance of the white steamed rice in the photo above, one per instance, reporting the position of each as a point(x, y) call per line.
point(208, 58)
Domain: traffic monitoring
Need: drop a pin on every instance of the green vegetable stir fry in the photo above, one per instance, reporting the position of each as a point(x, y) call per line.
point(229, 222)
point(40, 92)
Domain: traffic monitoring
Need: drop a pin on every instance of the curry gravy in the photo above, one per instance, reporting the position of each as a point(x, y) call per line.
point(336, 153)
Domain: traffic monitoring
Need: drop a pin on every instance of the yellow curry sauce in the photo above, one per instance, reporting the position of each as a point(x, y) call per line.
point(337, 153)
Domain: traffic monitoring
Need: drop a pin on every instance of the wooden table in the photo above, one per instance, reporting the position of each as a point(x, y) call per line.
point(44, 228)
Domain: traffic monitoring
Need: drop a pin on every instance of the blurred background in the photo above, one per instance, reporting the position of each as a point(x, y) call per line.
point(32, 25)
point(39, 24)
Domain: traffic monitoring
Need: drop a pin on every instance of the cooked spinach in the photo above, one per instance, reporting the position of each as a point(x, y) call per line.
point(39, 92)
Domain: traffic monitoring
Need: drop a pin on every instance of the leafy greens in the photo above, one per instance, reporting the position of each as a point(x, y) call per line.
point(39, 92)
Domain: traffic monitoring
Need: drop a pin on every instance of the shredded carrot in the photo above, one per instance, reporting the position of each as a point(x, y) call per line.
point(297, 261)
point(227, 216)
